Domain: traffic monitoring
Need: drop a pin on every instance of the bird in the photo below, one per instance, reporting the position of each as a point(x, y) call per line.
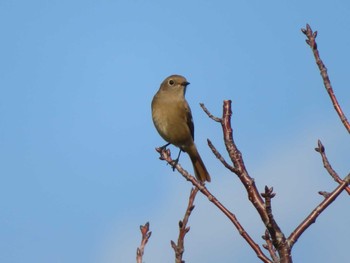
point(172, 119)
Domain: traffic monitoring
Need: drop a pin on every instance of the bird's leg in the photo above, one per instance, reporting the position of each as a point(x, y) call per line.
point(164, 146)
point(174, 162)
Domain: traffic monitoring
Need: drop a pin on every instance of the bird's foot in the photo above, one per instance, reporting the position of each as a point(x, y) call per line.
point(162, 148)
point(174, 163)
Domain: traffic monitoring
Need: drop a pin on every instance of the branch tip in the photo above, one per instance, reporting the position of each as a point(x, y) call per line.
point(211, 116)
point(173, 245)
point(311, 41)
point(308, 28)
point(324, 194)
point(146, 234)
point(268, 192)
point(320, 146)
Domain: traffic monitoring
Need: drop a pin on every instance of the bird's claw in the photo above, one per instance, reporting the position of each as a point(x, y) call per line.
point(173, 163)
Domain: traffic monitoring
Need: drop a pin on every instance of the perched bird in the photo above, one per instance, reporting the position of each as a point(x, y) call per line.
point(172, 118)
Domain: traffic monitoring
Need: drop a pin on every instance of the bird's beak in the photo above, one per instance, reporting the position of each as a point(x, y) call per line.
point(185, 83)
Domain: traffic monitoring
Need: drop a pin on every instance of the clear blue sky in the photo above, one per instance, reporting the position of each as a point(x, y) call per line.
point(78, 168)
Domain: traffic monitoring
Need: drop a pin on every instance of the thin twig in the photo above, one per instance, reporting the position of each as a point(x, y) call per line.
point(311, 41)
point(324, 193)
point(165, 155)
point(317, 211)
point(179, 248)
point(211, 116)
point(146, 234)
point(328, 166)
point(269, 247)
point(219, 156)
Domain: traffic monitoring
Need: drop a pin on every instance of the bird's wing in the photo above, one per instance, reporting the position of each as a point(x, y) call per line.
point(189, 119)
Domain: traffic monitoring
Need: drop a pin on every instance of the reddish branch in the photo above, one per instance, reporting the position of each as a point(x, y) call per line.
point(165, 155)
point(146, 234)
point(219, 156)
point(343, 184)
point(277, 236)
point(317, 211)
point(269, 246)
point(274, 230)
point(179, 248)
point(328, 197)
point(311, 41)
point(328, 166)
point(274, 237)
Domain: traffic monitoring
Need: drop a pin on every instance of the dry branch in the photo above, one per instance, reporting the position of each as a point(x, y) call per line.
point(277, 236)
point(328, 166)
point(179, 248)
point(146, 234)
point(311, 41)
point(269, 246)
point(165, 155)
point(278, 246)
point(311, 218)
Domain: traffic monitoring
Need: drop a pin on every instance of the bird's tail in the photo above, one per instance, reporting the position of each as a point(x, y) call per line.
point(200, 170)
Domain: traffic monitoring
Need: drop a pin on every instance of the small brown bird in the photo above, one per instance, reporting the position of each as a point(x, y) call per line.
point(172, 118)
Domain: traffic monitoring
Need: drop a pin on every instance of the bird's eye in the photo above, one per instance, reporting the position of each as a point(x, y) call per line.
point(171, 82)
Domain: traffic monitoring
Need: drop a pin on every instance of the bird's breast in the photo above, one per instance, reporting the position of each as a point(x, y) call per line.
point(170, 120)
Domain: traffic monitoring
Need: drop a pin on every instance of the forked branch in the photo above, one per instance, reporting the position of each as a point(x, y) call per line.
point(166, 156)
point(311, 218)
point(328, 166)
point(278, 246)
point(263, 208)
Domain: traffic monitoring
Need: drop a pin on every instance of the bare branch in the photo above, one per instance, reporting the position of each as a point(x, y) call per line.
point(219, 156)
point(269, 247)
point(165, 155)
point(211, 116)
point(179, 248)
point(317, 211)
point(239, 167)
point(311, 41)
point(278, 246)
point(278, 238)
point(146, 234)
point(328, 166)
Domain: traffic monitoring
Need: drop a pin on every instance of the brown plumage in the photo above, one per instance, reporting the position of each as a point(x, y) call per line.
point(172, 118)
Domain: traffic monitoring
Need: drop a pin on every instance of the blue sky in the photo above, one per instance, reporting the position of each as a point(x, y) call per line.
point(79, 172)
